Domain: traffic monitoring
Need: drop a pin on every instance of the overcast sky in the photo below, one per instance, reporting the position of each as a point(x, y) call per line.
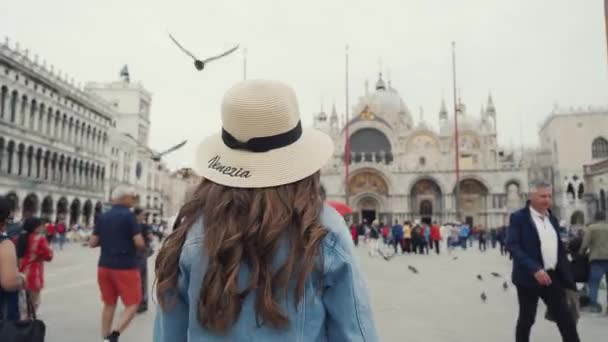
point(530, 54)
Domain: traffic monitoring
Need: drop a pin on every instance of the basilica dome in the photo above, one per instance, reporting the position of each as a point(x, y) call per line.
point(384, 102)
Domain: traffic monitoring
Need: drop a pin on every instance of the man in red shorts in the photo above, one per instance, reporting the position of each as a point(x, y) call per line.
point(119, 236)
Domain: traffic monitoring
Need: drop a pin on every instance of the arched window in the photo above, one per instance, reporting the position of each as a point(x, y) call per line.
point(68, 164)
point(30, 159)
point(81, 173)
point(3, 98)
point(41, 118)
point(83, 131)
point(24, 103)
point(47, 164)
point(20, 155)
point(603, 203)
point(570, 192)
point(54, 167)
point(74, 138)
point(50, 127)
point(75, 172)
point(13, 108)
point(56, 128)
point(10, 155)
point(33, 108)
point(61, 175)
point(87, 141)
point(599, 148)
point(38, 163)
point(2, 161)
point(581, 191)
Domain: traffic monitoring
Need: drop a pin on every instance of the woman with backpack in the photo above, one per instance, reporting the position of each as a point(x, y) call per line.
point(33, 250)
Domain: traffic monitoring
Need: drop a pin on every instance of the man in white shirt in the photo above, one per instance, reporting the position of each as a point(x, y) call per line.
point(540, 266)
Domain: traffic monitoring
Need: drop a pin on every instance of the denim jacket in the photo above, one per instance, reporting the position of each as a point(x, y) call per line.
point(339, 311)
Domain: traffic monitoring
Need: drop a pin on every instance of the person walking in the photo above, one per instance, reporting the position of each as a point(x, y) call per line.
point(426, 231)
point(416, 238)
point(596, 241)
point(397, 233)
point(436, 236)
point(245, 264)
point(540, 266)
point(143, 255)
point(11, 281)
point(33, 250)
point(407, 236)
point(493, 237)
point(501, 237)
point(374, 237)
point(119, 236)
point(354, 232)
point(464, 235)
point(61, 231)
point(482, 236)
point(50, 232)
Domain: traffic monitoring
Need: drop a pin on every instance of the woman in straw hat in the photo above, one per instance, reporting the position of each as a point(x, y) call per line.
point(257, 256)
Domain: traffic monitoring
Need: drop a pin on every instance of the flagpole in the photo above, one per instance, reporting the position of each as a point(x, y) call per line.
point(346, 128)
point(245, 64)
point(606, 20)
point(456, 141)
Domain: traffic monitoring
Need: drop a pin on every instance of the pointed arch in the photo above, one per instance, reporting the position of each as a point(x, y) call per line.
point(581, 190)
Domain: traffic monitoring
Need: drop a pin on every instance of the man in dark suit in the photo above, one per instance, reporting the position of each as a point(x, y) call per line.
point(540, 266)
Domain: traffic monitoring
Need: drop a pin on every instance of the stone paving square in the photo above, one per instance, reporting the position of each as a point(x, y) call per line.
point(440, 304)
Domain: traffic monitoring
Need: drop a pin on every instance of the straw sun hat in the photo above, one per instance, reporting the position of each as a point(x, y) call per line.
point(262, 143)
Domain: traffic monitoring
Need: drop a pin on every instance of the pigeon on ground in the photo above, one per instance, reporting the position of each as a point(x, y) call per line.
point(505, 286)
point(200, 64)
point(413, 269)
point(455, 258)
point(483, 297)
point(479, 277)
point(497, 275)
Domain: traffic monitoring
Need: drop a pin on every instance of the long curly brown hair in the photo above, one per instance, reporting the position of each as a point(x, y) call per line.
point(246, 227)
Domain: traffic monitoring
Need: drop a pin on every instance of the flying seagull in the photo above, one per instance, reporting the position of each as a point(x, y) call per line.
point(158, 156)
point(200, 64)
point(155, 155)
point(483, 297)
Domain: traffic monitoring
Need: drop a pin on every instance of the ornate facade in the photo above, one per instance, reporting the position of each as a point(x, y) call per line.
point(402, 170)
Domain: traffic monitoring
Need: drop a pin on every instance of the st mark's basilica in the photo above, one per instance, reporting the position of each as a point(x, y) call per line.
point(405, 170)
